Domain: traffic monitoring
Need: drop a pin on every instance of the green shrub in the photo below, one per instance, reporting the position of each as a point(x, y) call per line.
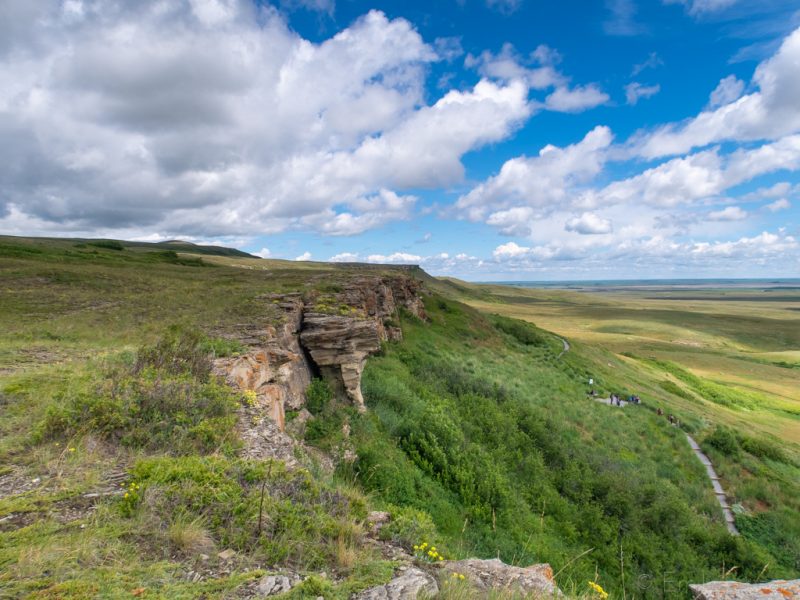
point(179, 351)
point(107, 244)
point(525, 333)
point(763, 449)
point(409, 527)
point(318, 396)
point(724, 440)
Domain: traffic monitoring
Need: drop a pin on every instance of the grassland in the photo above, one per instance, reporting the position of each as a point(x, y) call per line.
point(722, 359)
point(478, 437)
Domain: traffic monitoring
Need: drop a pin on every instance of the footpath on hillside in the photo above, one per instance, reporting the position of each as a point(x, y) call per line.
point(719, 492)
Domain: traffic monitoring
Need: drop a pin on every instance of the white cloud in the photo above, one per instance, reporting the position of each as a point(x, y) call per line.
point(780, 204)
point(263, 253)
point(304, 256)
point(729, 213)
point(702, 7)
point(344, 257)
point(767, 114)
point(653, 61)
point(539, 73)
point(728, 90)
point(214, 119)
point(635, 91)
point(395, 258)
point(622, 19)
point(540, 181)
point(589, 224)
point(576, 99)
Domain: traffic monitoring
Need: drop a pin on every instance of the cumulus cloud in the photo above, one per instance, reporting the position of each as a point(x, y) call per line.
point(213, 118)
point(729, 213)
point(589, 224)
point(537, 182)
point(576, 99)
point(304, 256)
point(780, 204)
point(263, 253)
point(728, 90)
point(539, 72)
point(635, 91)
point(771, 112)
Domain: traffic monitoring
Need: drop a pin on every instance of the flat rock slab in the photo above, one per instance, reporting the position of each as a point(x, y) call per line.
point(407, 586)
point(495, 575)
point(733, 590)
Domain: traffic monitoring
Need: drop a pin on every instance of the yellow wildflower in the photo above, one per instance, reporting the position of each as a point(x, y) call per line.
point(599, 590)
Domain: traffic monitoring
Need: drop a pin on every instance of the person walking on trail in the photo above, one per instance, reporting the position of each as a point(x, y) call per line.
point(659, 412)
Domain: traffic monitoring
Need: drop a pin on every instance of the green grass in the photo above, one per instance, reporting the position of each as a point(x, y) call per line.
point(494, 439)
point(478, 437)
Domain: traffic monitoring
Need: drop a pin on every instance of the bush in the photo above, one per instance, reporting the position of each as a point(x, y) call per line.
point(179, 351)
point(525, 333)
point(107, 244)
point(724, 440)
point(409, 526)
point(165, 401)
point(318, 396)
point(763, 449)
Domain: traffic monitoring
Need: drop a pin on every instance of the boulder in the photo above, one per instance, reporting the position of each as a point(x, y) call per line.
point(734, 590)
point(408, 585)
point(494, 575)
point(271, 585)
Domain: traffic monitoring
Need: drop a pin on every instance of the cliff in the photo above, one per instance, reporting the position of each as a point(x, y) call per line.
point(329, 334)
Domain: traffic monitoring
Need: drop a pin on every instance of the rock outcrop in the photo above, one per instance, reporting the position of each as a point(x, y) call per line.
point(275, 368)
point(494, 575)
point(339, 344)
point(407, 586)
point(733, 590)
point(332, 334)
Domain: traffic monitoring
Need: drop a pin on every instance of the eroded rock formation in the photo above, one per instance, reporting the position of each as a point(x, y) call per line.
point(734, 590)
point(332, 334)
point(494, 575)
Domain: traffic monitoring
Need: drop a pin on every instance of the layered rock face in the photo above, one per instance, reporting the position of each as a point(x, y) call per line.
point(281, 360)
point(340, 344)
point(733, 590)
point(276, 368)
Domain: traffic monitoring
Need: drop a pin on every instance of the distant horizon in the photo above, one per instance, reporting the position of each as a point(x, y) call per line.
point(490, 139)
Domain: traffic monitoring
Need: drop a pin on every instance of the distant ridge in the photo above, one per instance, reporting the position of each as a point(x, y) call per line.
point(174, 245)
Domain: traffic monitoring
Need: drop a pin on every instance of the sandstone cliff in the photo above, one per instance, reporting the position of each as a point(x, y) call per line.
point(330, 334)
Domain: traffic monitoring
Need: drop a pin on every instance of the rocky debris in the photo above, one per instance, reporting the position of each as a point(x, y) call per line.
point(734, 590)
point(269, 585)
point(263, 439)
point(495, 575)
point(407, 585)
point(376, 520)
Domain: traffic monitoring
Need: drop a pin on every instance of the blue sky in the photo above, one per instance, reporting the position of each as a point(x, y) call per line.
point(486, 139)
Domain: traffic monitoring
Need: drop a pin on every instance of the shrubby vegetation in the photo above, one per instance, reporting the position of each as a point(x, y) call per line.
point(498, 445)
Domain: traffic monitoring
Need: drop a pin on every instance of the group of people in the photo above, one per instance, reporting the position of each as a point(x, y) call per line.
point(670, 417)
point(616, 400)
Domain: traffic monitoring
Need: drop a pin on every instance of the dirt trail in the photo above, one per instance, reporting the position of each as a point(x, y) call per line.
point(566, 347)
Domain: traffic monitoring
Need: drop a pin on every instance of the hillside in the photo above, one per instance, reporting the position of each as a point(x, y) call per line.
point(143, 391)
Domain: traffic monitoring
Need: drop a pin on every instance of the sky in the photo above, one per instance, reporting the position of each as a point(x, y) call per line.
point(483, 139)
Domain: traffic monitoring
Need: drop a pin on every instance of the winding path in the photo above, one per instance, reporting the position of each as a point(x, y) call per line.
point(718, 491)
point(566, 347)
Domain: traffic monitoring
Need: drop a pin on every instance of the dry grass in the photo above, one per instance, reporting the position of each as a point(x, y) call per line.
point(190, 536)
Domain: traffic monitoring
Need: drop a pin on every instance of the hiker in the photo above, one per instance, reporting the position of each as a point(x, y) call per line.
point(659, 412)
